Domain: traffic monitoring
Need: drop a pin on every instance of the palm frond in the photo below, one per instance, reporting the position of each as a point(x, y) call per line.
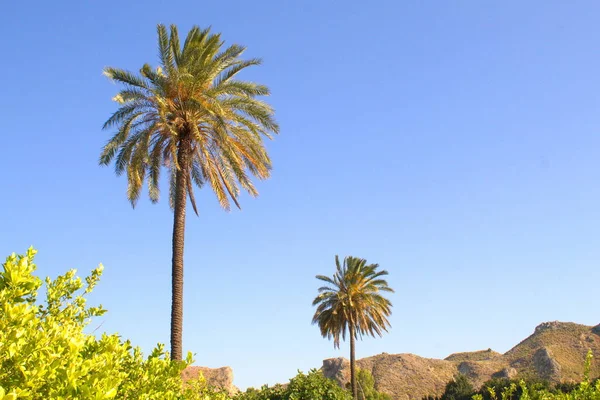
point(165, 50)
point(119, 116)
point(110, 149)
point(125, 77)
point(235, 69)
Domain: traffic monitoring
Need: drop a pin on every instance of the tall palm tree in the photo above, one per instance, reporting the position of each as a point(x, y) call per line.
point(193, 117)
point(352, 301)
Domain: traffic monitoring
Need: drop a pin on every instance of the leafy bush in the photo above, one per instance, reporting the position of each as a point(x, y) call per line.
point(566, 387)
point(458, 389)
point(276, 392)
point(583, 391)
point(302, 387)
point(366, 387)
point(44, 353)
point(512, 388)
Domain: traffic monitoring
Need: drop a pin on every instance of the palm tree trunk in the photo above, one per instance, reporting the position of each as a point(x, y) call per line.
point(353, 363)
point(177, 261)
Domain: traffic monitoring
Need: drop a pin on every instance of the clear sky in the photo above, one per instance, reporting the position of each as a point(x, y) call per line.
point(455, 143)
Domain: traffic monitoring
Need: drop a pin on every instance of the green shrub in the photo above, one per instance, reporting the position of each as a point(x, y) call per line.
point(313, 386)
point(366, 387)
point(276, 392)
point(498, 386)
point(44, 353)
point(458, 389)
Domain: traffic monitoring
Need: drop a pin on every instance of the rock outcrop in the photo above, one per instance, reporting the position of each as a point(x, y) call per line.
point(218, 377)
point(545, 365)
point(551, 325)
point(480, 371)
point(338, 369)
point(506, 373)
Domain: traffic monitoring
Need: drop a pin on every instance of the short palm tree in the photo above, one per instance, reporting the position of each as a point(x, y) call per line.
point(194, 118)
point(352, 301)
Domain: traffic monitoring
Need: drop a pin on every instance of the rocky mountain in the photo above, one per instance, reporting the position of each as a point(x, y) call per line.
point(556, 351)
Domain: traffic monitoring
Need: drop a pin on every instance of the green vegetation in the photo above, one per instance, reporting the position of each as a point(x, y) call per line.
point(351, 301)
point(366, 387)
point(521, 391)
point(302, 387)
point(458, 389)
point(45, 354)
point(503, 385)
point(191, 116)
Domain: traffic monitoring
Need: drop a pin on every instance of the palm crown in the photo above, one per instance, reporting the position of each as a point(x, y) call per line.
point(352, 301)
point(190, 115)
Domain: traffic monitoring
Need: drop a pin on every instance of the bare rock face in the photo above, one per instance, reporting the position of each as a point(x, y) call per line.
point(337, 369)
point(596, 329)
point(478, 372)
point(506, 373)
point(467, 369)
point(545, 365)
point(217, 377)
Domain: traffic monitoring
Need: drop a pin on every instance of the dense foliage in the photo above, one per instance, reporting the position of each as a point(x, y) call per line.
point(45, 353)
point(497, 386)
point(302, 387)
point(458, 389)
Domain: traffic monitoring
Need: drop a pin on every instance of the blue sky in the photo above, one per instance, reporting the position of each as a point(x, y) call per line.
point(454, 143)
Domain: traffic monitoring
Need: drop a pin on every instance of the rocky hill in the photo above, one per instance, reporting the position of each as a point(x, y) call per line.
point(403, 376)
point(555, 351)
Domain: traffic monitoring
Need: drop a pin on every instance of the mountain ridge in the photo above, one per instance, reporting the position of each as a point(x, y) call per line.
point(555, 351)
